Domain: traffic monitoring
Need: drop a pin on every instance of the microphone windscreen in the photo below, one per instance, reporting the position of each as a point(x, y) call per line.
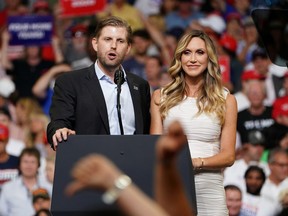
point(119, 77)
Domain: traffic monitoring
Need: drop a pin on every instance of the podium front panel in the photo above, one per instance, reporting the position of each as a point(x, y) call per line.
point(133, 154)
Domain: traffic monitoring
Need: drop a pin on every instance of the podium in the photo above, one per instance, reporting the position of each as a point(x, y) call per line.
point(133, 154)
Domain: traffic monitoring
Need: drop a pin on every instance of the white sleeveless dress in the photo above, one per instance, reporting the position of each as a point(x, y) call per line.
point(203, 134)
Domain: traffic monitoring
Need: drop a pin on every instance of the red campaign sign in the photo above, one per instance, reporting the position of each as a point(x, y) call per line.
point(224, 62)
point(74, 8)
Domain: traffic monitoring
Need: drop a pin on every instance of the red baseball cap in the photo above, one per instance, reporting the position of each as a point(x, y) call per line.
point(280, 107)
point(79, 30)
point(233, 16)
point(41, 5)
point(252, 74)
point(4, 132)
point(228, 42)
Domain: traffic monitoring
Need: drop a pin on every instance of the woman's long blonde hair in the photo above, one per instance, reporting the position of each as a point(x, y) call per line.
point(211, 92)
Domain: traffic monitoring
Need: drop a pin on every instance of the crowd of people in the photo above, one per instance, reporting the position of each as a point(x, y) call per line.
point(199, 62)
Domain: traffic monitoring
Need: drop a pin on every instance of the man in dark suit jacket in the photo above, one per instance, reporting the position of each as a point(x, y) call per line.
point(84, 101)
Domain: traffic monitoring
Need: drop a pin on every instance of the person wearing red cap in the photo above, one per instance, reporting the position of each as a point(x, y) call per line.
point(279, 129)
point(227, 49)
point(8, 163)
point(75, 52)
point(257, 116)
point(248, 78)
point(234, 26)
point(273, 73)
point(41, 199)
point(41, 7)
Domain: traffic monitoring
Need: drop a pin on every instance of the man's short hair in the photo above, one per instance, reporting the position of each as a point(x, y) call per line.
point(116, 22)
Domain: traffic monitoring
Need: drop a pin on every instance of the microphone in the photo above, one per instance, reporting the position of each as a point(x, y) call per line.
point(119, 80)
point(119, 77)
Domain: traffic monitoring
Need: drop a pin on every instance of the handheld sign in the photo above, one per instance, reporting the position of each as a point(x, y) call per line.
point(30, 30)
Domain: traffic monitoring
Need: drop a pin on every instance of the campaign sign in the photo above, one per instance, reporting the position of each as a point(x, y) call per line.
point(74, 8)
point(30, 30)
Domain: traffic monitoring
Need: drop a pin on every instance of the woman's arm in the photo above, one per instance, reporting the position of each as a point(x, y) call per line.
point(98, 172)
point(226, 156)
point(167, 177)
point(156, 121)
point(5, 62)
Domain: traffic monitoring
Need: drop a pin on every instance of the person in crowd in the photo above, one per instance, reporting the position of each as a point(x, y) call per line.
point(16, 195)
point(148, 7)
point(153, 70)
point(15, 145)
point(257, 116)
point(36, 136)
point(43, 212)
point(165, 79)
point(43, 87)
point(41, 199)
point(98, 172)
point(25, 71)
point(227, 54)
point(49, 52)
point(233, 199)
point(284, 89)
point(84, 101)
point(165, 41)
point(242, 7)
point(248, 78)
point(273, 73)
point(12, 8)
point(279, 128)
point(158, 19)
point(7, 89)
point(249, 43)
point(8, 163)
point(283, 198)
point(123, 10)
point(213, 24)
point(234, 26)
point(182, 16)
point(25, 107)
point(254, 180)
point(283, 143)
point(207, 111)
point(142, 48)
point(50, 169)
point(75, 53)
point(251, 154)
point(275, 183)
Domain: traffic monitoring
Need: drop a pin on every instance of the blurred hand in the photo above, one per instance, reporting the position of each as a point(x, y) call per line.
point(94, 171)
point(170, 144)
point(6, 36)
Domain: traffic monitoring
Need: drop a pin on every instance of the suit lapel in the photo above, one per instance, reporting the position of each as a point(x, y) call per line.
point(136, 99)
point(99, 101)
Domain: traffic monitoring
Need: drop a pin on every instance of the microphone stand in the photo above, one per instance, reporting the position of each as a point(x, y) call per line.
point(119, 80)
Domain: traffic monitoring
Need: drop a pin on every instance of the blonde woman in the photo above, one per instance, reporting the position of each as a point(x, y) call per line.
point(207, 112)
